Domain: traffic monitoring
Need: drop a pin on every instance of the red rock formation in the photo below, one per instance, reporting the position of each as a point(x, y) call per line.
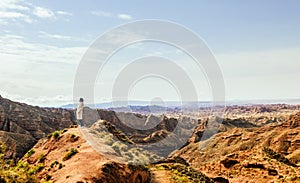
point(21, 125)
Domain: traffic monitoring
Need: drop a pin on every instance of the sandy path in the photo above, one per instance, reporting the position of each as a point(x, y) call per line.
point(161, 176)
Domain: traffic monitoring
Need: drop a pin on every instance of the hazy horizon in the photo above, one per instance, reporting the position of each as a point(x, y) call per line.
point(108, 104)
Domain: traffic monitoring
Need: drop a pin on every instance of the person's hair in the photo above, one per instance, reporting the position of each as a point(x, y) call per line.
point(81, 100)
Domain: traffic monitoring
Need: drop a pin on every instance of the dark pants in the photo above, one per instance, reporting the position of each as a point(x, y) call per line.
point(80, 122)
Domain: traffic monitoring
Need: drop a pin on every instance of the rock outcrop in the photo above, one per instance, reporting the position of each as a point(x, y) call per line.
point(68, 157)
point(22, 125)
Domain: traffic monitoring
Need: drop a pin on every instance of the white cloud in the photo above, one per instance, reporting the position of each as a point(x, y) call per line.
point(64, 13)
point(13, 5)
point(102, 13)
point(43, 12)
point(15, 48)
point(34, 69)
point(11, 15)
point(37, 72)
point(46, 35)
point(6, 16)
point(109, 14)
point(12, 11)
point(125, 16)
point(43, 101)
point(54, 36)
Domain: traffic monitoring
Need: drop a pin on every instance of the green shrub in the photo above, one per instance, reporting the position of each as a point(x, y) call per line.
point(41, 158)
point(60, 166)
point(48, 177)
point(2, 147)
point(182, 173)
point(119, 147)
point(49, 135)
point(14, 173)
point(69, 154)
point(30, 153)
point(22, 164)
point(279, 157)
point(102, 134)
point(109, 139)
point(53, 164)
point(294, 177)
point(55, 134)
point(35, 169)
point(39, 167)
point(181, 179)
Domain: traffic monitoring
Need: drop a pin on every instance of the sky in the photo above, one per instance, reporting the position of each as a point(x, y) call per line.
point(256, 44)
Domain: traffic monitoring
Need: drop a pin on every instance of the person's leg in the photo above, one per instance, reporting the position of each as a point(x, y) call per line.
point(79, 121)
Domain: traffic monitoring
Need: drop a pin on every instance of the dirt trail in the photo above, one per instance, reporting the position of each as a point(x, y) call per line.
point(161, 176)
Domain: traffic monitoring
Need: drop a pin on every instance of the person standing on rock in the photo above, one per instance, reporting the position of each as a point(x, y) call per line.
point(79, 112)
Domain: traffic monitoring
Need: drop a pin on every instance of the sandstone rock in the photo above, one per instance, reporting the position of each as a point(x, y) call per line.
point(24, 124)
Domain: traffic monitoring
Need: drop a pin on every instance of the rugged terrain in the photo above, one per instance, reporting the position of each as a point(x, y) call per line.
point(22, 125)
point(67, 157)
point(260, 154)
point(257, 143)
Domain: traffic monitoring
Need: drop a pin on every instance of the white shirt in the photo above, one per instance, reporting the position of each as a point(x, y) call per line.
point(79, 110)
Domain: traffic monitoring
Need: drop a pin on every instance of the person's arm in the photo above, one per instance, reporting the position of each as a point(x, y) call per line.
point(79, 108)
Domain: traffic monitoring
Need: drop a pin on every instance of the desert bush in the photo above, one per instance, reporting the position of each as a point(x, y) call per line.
point(69, 154)
point(294, 178)
point(102, 134)
point(2, 147)
point(35, 169)
point(119, 147)
point(60, 166)
point(17, 173)
point(109, 139)
point(279, 157)
point(53, 164)
point(142, 159)
point(22, 172)
point(55, 134)
point(41, 158)
point(39, 167)
point(183, 173)
point(47, 177)
point(30, 152)
point(181, 179)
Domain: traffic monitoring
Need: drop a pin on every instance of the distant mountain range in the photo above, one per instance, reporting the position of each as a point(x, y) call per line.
point(176, 104)
point(135, 103)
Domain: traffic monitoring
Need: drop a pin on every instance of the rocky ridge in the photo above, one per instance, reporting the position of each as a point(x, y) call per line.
point(22, 125)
